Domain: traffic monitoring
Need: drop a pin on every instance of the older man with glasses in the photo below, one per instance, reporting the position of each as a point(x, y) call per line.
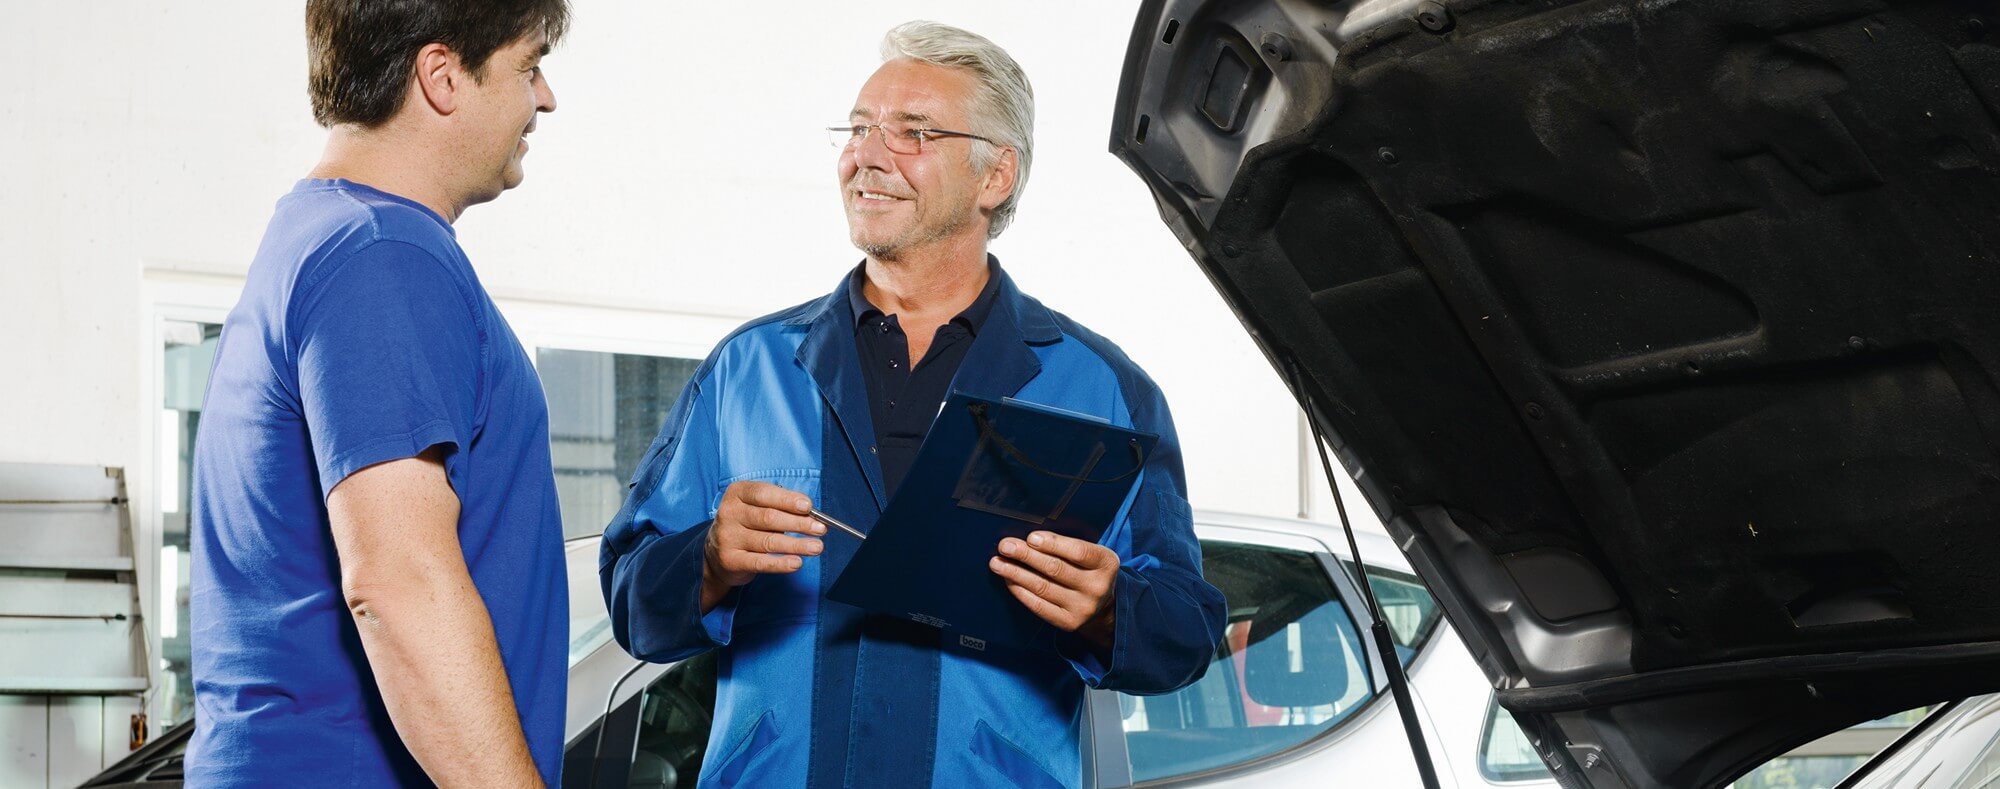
point(824, 406)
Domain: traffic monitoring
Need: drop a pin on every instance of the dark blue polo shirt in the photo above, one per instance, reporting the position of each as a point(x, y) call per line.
point(904, 400)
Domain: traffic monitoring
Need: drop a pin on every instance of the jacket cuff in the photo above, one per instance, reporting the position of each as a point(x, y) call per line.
point(654, 593)
point(720, 621)
point(1077, 651)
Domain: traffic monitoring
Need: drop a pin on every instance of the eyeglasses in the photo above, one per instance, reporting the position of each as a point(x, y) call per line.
point(900, 139)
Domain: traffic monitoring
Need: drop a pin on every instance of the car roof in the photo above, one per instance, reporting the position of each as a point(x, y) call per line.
point(1377, 548)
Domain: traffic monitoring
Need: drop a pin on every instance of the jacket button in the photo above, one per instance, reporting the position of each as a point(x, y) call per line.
point(871, 450)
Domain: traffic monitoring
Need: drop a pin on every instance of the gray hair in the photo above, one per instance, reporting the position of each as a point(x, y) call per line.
point(1003, 105)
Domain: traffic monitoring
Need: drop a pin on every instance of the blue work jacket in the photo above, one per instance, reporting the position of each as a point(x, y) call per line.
point(804, 697)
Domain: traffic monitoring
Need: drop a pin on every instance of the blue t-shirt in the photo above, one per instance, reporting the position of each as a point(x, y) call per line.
point(362, 336)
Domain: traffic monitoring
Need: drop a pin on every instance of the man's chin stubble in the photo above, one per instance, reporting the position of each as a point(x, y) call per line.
point(877, 251)
point(893, 250)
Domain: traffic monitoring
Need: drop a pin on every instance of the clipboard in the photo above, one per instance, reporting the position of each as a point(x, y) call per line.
point(989, 469)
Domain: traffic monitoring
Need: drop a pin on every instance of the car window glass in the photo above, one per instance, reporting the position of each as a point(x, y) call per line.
point(1505, 754)
point(655, 739)
point(674, 718)
point(1958, 753)
point(589, 622)
point(1829, 760)
point(1985, 770)
point(605, 409)
point(1290, 667)
point(1408, 607)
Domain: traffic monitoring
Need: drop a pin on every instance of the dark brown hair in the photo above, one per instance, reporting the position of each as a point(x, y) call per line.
point(361, 51)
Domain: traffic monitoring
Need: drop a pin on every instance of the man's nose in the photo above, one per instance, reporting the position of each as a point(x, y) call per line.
point(873, 151)
point(545, 96)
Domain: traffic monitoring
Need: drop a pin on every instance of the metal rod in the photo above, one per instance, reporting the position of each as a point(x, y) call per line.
point(105, 617)
point(113, 501)
point(1385, 646)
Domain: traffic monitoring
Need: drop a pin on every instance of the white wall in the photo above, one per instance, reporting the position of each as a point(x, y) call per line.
point(682, 187)
point(683, 172)
point(685, 165)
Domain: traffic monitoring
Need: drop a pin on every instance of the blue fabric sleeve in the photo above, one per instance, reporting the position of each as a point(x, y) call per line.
point(1167, 620)
point(389, 356)
point(650, 565)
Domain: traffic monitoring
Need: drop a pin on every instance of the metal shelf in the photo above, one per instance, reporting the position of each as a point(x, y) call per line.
point(70, 686)
point(69, 593)
point(107, 564)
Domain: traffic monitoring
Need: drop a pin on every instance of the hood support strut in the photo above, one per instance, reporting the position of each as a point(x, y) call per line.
point(1385, 645)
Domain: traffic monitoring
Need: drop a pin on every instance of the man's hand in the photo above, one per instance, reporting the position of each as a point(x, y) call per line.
point(1066, 581)
point(749, 538)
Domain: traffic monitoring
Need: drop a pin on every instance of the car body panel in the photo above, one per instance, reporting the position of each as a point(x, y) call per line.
point(1371, 748)
point(1658, 333)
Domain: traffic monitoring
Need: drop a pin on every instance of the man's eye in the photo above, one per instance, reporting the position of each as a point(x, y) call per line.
point(913, 135)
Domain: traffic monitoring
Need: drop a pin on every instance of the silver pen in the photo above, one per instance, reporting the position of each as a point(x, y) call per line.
point(835, 523)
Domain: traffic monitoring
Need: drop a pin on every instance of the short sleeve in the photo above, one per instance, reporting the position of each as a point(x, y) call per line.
point(389, 355)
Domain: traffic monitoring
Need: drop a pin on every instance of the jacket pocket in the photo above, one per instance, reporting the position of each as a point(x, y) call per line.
point(780, 598)
point(732, 770)
point(1010, 761)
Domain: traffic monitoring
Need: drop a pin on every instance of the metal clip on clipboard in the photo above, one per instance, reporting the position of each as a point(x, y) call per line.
point(987, 465)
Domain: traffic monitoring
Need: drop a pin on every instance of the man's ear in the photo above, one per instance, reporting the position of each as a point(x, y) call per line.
point(439, 77)
point(999, 180)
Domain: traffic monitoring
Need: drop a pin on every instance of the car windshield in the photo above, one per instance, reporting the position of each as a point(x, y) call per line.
point(589, 622)
point(1960, 749)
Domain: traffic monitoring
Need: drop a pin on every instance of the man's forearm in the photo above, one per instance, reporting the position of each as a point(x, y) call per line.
point(430, 643)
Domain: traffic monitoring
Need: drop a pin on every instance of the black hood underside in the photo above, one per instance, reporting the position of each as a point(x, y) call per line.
point(1666, 333)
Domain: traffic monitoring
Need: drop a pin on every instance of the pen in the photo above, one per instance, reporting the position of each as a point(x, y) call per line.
point(835, 523)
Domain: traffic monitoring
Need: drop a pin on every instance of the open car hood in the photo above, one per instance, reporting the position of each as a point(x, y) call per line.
point(1663, 334)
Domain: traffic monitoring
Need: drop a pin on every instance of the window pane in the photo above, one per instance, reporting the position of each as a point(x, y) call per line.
point(1291, 666)
point(1827, 761)
point(604, 411)
point(673, 725)
point(1407, 606)
point(187, 353)
point(1801, 772)
point(589, 622)
point(1984, 771)
point(654, 739)
point(1505, 754)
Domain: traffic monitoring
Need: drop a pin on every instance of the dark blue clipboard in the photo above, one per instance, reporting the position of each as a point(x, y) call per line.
point(989, 469)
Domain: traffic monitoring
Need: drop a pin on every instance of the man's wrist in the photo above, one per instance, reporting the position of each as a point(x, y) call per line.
point(1101, 633)
point(713, 588)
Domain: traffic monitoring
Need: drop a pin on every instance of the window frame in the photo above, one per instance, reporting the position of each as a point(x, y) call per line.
point(206, 292)
point(1423, 639)
point(173, 295)
point(688, 352)
point(618, 715)
point(1486, 771)
point(1106, 746)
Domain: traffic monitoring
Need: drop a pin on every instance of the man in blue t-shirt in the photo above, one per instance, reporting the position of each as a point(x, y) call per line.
point(377, 594)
